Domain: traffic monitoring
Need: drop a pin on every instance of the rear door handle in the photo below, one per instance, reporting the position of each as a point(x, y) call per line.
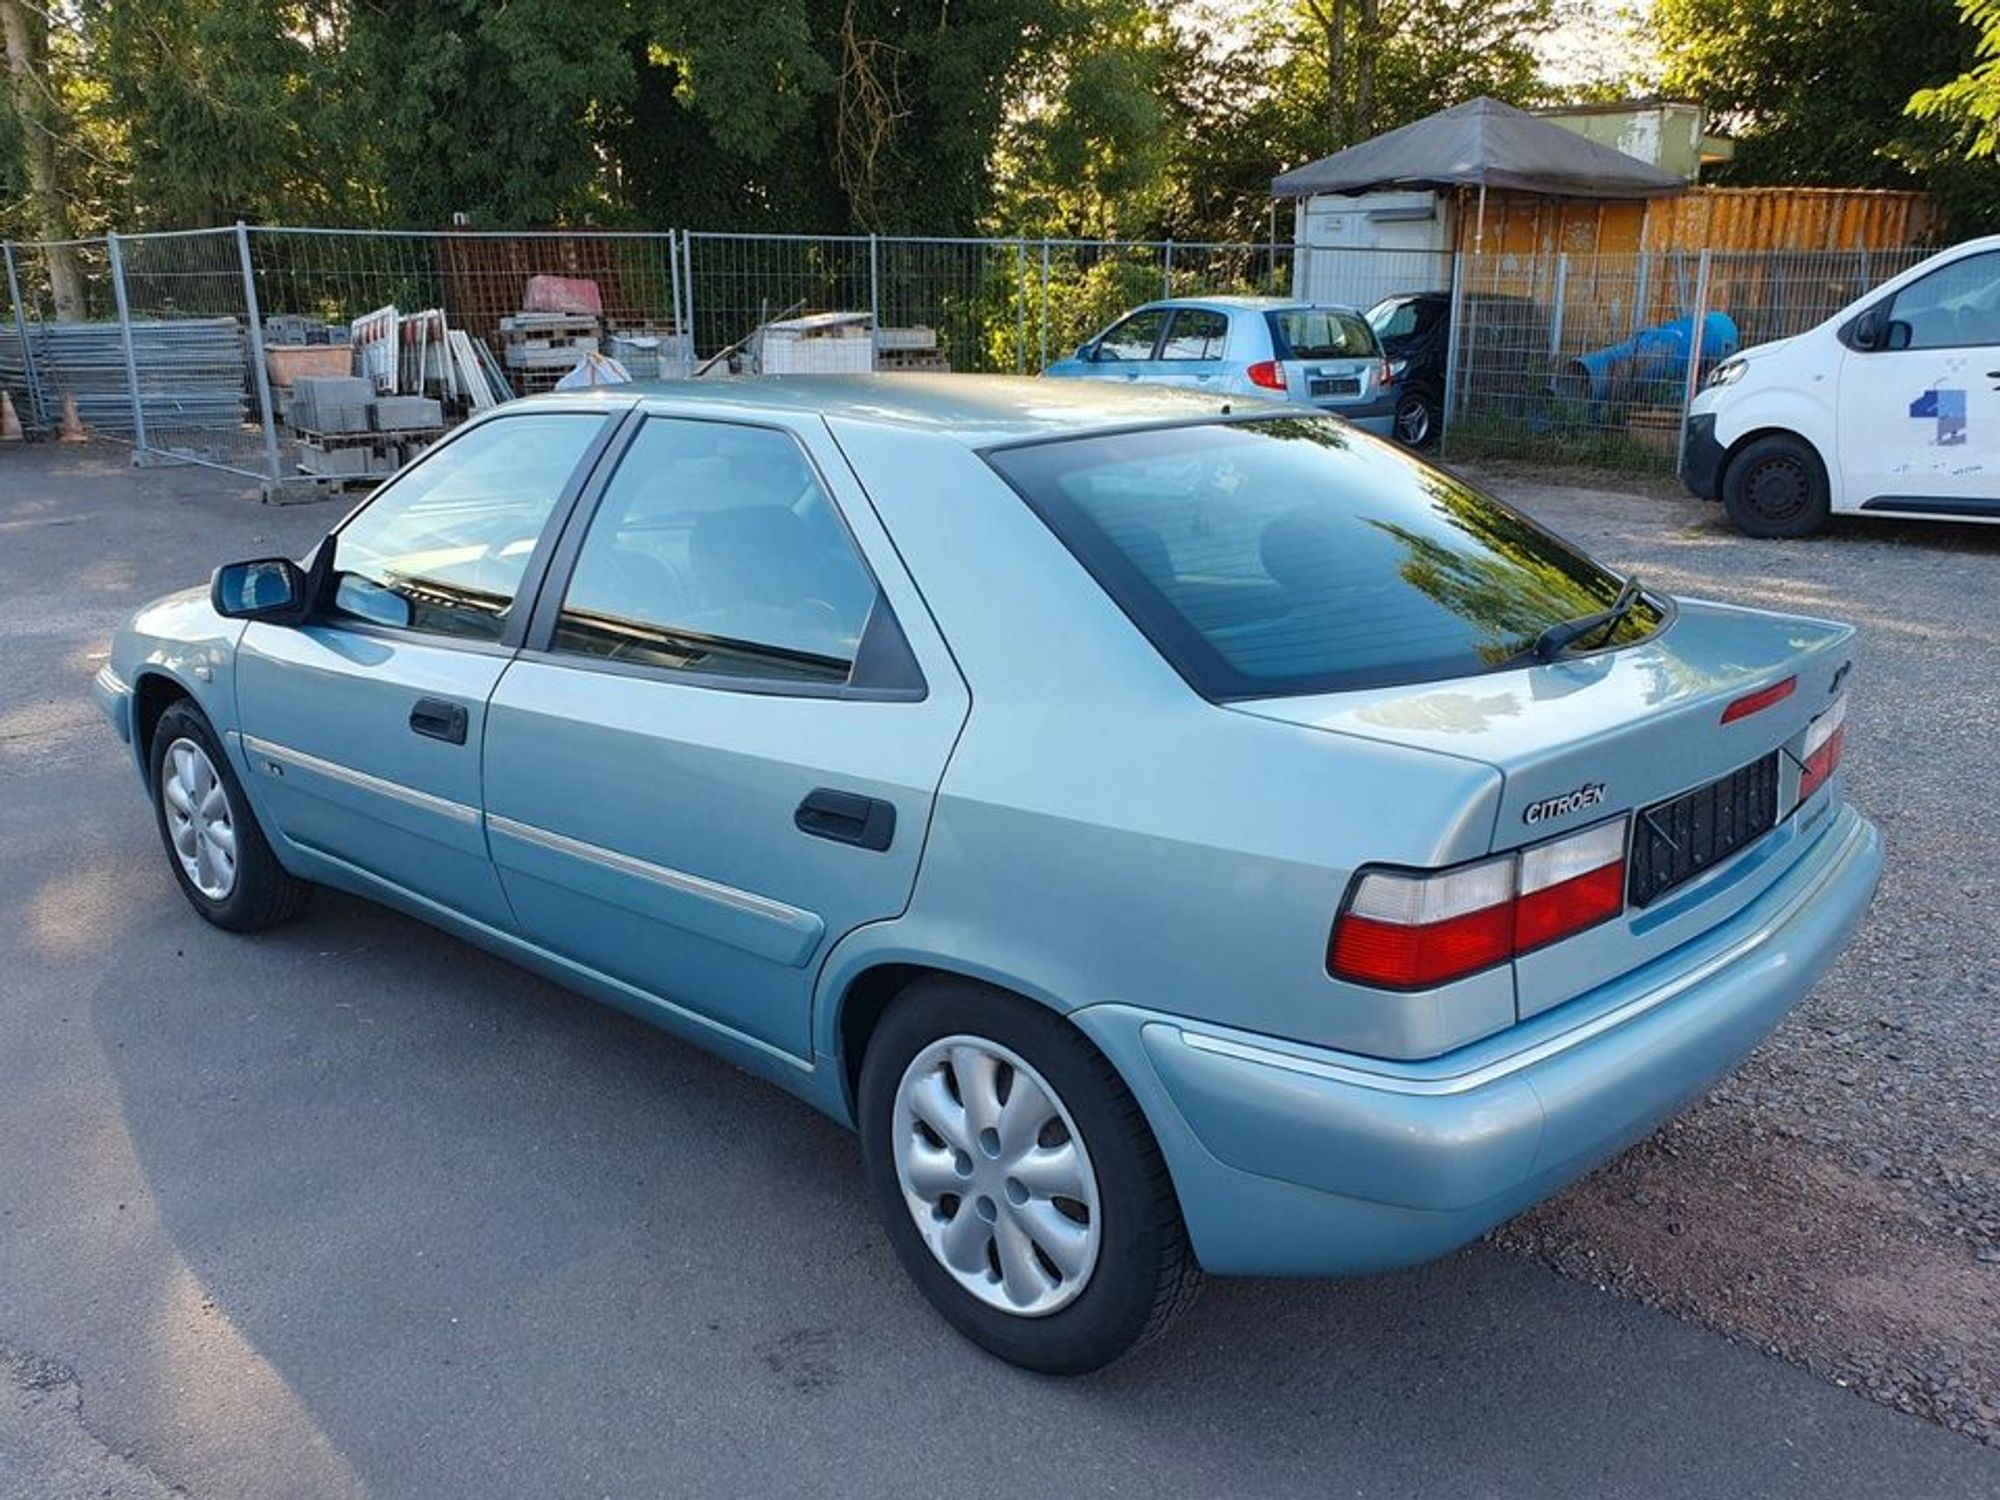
point(439, 720)
point(847, 818)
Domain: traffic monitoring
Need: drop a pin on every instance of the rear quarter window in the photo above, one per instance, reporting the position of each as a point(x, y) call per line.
point(1293, 555)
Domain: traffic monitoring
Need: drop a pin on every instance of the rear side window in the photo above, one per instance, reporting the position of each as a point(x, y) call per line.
point(1291, 556)
point(1321, 333)
point(1196, 333)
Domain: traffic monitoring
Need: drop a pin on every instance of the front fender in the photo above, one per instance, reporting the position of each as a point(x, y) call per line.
point(1779, 408)
point(180, 641)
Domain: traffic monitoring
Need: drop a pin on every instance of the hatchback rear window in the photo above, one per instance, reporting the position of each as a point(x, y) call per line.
point(1290, 555)
point(1322, 333)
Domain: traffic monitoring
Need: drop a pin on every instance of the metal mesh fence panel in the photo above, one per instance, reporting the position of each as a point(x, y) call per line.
point(1579, 359)
point(189, 340)
point(736, 284)
point(61, 338)
point(966, 305)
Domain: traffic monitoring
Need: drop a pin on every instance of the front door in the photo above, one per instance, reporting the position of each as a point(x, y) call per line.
point(362, 729)
point(1919, 425)
point(720, 750)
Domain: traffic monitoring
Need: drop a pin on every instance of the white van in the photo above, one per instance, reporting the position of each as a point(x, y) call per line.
point(1890, 407)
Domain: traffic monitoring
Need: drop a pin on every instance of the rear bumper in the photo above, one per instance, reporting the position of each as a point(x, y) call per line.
point(1702, 466)
point(1377, 416)
point(1293, 1160)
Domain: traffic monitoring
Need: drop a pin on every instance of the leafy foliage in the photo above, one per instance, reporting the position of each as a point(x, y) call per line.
point(1971, 101)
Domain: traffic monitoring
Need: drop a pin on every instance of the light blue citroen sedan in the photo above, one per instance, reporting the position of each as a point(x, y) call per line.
point(1177, 838)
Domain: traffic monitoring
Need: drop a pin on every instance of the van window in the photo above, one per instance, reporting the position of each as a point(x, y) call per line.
point(1955, 307)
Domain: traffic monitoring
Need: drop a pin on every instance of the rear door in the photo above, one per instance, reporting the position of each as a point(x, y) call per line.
point(1919, 426)
point(362, 728)
point(1191, 351)
point(720, 750)
point(1329, 355)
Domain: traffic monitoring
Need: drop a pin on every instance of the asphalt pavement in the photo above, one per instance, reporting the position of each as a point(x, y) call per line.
point(353, 1209)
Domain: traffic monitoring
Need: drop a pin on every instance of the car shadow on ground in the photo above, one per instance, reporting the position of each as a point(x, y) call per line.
point(492, 1237)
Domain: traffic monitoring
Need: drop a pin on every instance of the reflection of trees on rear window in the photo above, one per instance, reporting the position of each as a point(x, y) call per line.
point(1285, 556)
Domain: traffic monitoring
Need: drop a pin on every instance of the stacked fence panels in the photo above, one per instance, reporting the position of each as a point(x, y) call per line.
point(192, 373)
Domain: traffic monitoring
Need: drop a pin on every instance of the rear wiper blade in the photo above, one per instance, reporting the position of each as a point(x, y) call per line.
point(1559, 637)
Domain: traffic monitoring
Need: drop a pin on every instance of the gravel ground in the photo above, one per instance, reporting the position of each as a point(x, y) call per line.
point(1837, 1201)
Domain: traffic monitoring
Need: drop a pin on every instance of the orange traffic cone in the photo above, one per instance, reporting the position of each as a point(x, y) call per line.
point(10, 421)
point(71, 428)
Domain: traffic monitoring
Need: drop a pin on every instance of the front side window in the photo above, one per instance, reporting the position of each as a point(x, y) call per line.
point(1135, 337)
point(1322, 333)
point(716, 550)
point(1196, 333)
point(1955, 307)
point(444, 548)
point(1287, 556)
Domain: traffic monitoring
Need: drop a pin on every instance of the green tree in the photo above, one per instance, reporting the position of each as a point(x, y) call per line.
point(1971, 101)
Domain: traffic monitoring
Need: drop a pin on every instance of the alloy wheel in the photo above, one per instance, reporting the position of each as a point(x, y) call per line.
point(199, 819)
point(996, 1176)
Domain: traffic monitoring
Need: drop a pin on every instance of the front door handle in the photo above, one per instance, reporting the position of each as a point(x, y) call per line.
point(439, 720)
point(847, 818)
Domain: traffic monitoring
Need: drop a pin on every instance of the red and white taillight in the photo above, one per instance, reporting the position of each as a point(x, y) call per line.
point(1824, 738)
point(1409, 930)
point(1268, 373)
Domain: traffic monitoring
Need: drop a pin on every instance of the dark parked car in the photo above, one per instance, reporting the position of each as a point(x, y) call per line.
point(1510, 347)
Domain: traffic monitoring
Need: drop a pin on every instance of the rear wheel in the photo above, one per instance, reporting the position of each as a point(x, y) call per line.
point(1416, 419)
point(1018, 1180)
point(217, 852)
point(1776, 487)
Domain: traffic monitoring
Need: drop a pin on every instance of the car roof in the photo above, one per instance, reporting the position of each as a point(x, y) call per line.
point(1251, 304)
point(977, 410)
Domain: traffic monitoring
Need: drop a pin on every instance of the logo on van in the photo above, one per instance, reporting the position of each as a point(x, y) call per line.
point(1590, 794)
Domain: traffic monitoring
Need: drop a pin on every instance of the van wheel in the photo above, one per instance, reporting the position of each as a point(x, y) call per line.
point(1018, 1180)
point(1776, 487)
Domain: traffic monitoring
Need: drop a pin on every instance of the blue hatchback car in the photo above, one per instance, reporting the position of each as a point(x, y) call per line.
point(1269, 347)
point(1177, 838)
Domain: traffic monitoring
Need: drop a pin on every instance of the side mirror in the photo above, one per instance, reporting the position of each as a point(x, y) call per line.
point(1867, 331)
point(1087, 351)
point(265, 588)
point(1898, 335)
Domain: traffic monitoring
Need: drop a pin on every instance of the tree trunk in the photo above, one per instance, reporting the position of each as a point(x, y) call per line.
point(33, 94)
point(1367, 48)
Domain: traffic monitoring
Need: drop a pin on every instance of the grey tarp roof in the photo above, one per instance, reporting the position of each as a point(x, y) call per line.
point(1483, 142)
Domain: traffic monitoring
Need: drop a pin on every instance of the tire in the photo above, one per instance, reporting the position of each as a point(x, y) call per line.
point(1776, 488)
point(1122, 1267)
point(202, 815)
point(1416, 419)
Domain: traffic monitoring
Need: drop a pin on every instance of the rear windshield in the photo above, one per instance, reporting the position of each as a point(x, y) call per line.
point(1291, 555)
point(1321, 333)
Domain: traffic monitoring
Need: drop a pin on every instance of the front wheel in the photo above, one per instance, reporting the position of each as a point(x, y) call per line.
point(217, 852)
point(1776, 488)
point(1018, 1180)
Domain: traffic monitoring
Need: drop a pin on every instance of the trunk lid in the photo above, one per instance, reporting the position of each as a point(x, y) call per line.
point(1580, 741)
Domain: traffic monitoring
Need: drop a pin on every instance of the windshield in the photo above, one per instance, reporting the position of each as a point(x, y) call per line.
point(1322, 333)
point(1292, 555)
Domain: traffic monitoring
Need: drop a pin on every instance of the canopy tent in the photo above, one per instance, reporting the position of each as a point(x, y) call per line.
point(1482, 144)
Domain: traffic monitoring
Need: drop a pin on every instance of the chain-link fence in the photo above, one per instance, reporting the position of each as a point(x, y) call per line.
point(191, 346)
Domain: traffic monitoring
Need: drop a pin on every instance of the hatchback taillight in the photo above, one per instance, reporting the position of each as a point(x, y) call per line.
point(1824, 738)
point(1386, 376)
point(1268, 373)
point(1410, 930)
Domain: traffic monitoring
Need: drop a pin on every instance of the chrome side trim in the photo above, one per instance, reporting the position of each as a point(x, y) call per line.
point(1539, 1052)
point(748, 902)
point(285, 755)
